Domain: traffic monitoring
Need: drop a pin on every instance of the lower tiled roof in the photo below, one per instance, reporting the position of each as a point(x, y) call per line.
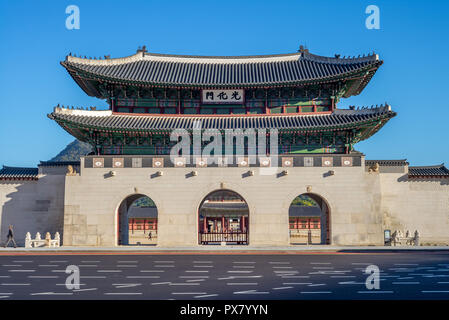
point(428, 171)
point(18, 173)
point(110, 121)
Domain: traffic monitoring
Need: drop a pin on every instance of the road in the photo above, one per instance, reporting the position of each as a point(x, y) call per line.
point(403, 275)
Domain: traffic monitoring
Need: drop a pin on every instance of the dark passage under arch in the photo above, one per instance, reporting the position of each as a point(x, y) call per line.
point(223, 218)
point(137, 221)
point(309, 220)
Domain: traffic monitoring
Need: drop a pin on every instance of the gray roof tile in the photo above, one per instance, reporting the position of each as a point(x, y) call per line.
point(428, 171)
point(175, 70)
point(18, 173)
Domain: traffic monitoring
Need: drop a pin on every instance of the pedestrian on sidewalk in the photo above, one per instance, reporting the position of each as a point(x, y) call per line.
point(10, 237)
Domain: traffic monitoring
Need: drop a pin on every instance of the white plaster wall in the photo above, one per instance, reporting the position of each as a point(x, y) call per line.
point(421, 205)
point(32, 206)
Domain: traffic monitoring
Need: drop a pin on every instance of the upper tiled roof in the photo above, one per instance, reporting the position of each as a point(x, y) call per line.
point(108, 121)
point(238, 71)
point(428, 171)
point(18, 173)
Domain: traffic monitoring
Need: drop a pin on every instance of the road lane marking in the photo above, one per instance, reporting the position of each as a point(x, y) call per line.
point(123, 293)
point(52, 293)
point(21, 270)
point(240, 271)
point(88, 289)
point(189, 293)
point(244, 267)
point(195, 280)
point(435, 291)
point(152, 270)
point(93, 277)
point(405, 282)
point(88, 265)
point(203, 266)
point(164, 266)
point(126, 266)
point(48, 265)
point(185, 284)
point(375, 291)
point(164, 261)
point(158, 283)
point(43, 277)
point(11, 265)
point(203, 262)
point(296, 283)
point(251, 292)
point(194, 271)
point(315, 292)
point(242, 284)
point(16, 284)
point(192, 277)
point(281, 288)
point(126, 261)
point(126, 285)
point(108, 271)
point(206, 296)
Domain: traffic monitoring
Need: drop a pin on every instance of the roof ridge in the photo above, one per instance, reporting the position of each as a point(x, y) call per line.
point(143, 55)
point(430, 166)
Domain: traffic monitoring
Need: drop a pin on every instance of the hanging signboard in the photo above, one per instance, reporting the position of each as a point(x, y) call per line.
point(234, 96)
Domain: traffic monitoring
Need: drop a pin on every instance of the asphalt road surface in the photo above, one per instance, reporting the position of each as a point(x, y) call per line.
point(405, 275)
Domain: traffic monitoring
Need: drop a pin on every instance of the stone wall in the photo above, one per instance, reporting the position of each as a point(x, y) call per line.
point(32, 206)
point(362, 204)
point(416, 204)
point(93, 198)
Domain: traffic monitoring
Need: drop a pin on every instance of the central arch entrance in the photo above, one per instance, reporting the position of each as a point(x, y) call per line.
point(137, 221)
point(309, 220)
point(223, 219)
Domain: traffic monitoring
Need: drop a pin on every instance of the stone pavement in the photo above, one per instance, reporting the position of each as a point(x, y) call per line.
point(226, 249)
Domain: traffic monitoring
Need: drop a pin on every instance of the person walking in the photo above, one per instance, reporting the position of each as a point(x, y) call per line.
point(10, 237)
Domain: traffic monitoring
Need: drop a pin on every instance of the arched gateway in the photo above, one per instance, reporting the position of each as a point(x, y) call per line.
point(309, 220)
point(223, 217)
point(137, 221)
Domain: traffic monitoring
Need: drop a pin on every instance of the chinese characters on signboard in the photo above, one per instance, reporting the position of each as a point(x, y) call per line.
point(223, 96)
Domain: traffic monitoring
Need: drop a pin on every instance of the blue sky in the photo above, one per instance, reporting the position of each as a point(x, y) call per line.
point(412, 41)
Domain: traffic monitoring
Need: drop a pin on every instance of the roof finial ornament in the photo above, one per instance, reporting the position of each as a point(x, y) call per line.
point(142, 49)
point(303, 49)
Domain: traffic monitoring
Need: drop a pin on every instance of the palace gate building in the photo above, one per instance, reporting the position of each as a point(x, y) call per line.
point(308, 185)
